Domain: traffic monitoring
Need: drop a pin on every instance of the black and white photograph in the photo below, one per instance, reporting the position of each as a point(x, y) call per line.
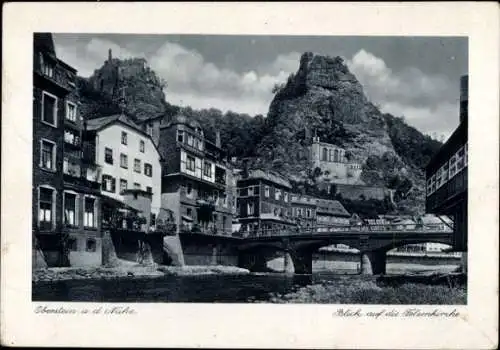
point(282, 169)
point(239, 175)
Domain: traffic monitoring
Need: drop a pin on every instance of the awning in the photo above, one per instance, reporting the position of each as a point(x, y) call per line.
point(187, 218)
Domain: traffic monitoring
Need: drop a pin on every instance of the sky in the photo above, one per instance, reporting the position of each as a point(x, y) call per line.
point(414, 77)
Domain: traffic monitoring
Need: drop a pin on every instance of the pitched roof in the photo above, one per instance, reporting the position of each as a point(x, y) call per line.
point(99, 123)
point(269, 176)
point(334, 207)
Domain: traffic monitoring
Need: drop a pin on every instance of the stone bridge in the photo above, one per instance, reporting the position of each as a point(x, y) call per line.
point(373, 242)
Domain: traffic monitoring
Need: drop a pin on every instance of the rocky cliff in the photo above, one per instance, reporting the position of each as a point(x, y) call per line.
point(324, 98)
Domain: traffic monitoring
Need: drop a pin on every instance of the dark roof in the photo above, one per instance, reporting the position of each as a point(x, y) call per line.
point(99, 123)
point(67, 66)
point(269, 176)
point(333, 207)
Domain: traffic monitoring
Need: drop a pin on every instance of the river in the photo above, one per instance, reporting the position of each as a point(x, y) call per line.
point(198, 288)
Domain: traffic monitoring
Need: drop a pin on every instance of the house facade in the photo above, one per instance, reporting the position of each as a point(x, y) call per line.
point(264, 204)
point(66, 196)
point(196, 179)
point(129, 159)
point(331, 214)
point(446, 176)
point(303, 210)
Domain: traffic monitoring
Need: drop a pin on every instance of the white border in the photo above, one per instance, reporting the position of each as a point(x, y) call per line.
point(261, 325)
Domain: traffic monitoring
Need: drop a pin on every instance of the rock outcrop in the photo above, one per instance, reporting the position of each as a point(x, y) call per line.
point(325, 99)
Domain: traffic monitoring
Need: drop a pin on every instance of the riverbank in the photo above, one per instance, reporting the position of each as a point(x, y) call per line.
point(367, 291)
point(130, 270)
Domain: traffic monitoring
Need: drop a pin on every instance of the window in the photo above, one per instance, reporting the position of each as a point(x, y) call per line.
point(124, 138)
point(266, 191)
point(148, 169)
point(70, 209)
point(123, 160)
point(277, 194)
point(108, 155)
point(224, 220)
point(180, 135)
point(123, 185)
point(200, 145)
point(223, 197)
point(73, 244)
point(141, 146)
point(325, 155)
point(336, 157)
point(137, 186)
point(149, 189)
point(46, 208)
point(190, 140)
point(71, 111)
point(460, 159)
point(453, 167)
point(190, 163)
point(108, 183)
point(49, 109)
point(250, 209)
point(189, 212)
point(285, 195)
point(91, 245)
point(89, 217)
point(137, 165)
point(250, 191)
point(71, 167)
point(207, 169)
point(149, 129)
point(48, 155)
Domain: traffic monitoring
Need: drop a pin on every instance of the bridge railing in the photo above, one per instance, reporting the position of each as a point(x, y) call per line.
point(325, 229)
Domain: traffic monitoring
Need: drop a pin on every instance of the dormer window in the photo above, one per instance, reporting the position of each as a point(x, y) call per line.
point(180, 135)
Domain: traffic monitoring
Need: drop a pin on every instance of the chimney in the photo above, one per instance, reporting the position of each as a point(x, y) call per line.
point(110, 56)
point(217, 139)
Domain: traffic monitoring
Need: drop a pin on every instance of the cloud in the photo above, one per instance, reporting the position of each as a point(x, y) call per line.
point(428, 102)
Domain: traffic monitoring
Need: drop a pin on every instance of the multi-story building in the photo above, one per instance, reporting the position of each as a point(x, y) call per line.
point(446, 176)
point(303, 209)
point(331, 213)
point(263, 204)
point(333, 163)
point(195, 181)
point(66, 197)
point(128, 157)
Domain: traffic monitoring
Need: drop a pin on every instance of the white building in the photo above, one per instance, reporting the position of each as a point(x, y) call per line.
point(128, 157)
point(333, 163)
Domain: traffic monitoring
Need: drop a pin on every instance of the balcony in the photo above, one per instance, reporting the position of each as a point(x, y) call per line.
point(54, 72)
point(220, 176)
point(71, 140)
point(87, 177)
